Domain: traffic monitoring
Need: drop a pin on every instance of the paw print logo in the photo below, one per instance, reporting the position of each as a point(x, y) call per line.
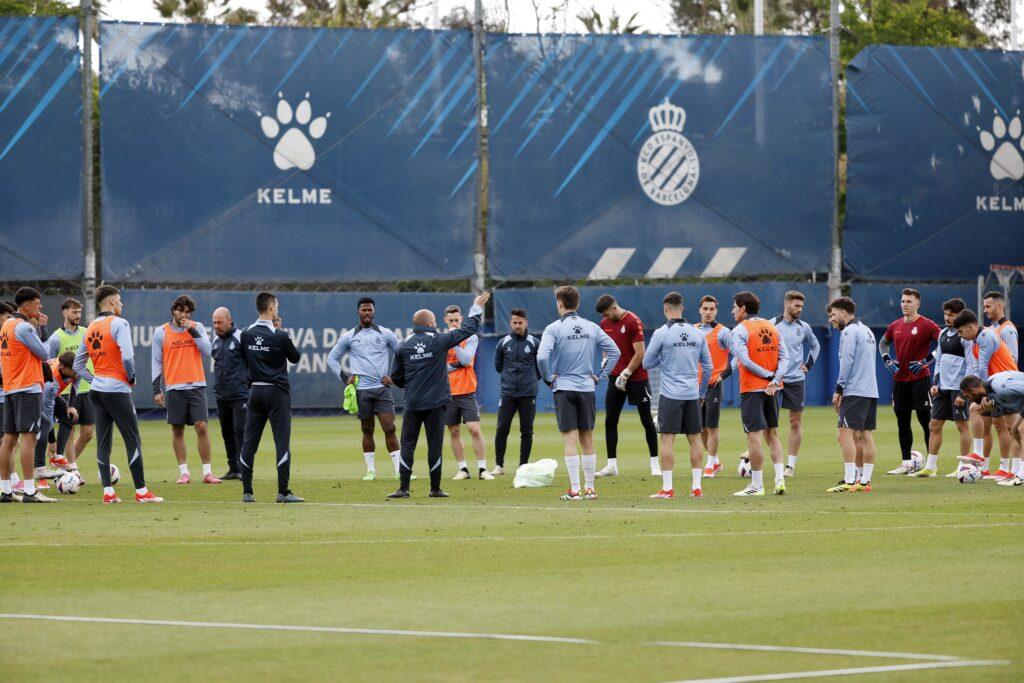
point(1004, 139)
point(420, 348)
point(684, 337)
point(3, 341)
point(293, 149)
point(95, 340)
point(578, 329)
point(259, 341)
point(766, 337)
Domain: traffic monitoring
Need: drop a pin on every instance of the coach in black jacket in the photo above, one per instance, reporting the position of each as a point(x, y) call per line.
point(515, 359)
point(421, 368)
point(266, 352)
point(230, 386)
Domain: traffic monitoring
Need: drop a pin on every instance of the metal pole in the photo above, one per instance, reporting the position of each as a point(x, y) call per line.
point(479, 247)
point(1014, 27)
point(758, 17)
point(759, 94)
point(835, 271)
point(981, 291)
point(88, 234)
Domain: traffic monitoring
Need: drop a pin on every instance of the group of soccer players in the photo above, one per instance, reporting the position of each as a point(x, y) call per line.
point(81, 378)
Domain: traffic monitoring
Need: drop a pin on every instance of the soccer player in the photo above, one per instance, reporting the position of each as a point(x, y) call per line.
point(108, 344)
point(421, 368)
point(58, 375)
point(681, 351)
point(68, 337)
point(266, 352)
point(856, 395)
point(947, 401)
point(462, 406)
point(21, 356)
point(988, 355)
point(369, 349)
point(1003, 390)
point(911, 336)
point(761, 355)
point(994, 305)
point(570, 363)
point(230, 386)
point(803, 348)
point(628, 382)
point(179, 383)
point(719, 340)
point(515, 359)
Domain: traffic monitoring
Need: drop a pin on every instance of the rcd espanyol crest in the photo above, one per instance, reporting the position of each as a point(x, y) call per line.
point(668, 167)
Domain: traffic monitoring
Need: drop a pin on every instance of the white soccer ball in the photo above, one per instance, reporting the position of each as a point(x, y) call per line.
point(968, 473)
point(69, 483)
point(916, 460)
point(744, 468)
point(115, 475)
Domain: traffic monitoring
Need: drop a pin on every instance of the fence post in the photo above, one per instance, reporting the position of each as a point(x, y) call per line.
point(88, 234)
point(835, 271)
point(483, 168)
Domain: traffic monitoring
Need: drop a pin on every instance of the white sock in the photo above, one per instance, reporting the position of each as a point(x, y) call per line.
point(933, 462)
point(1017, 466)
point(869, 469)
point(396, 458)
point(860, 471)
point(572, 463)
point(1004, 464)
point(666, 480)
point(849, 472)
point(589, 467)
point(984, 465)
point(780, 471)
point(481, 464)
point(5, 485)
point(30, 486)
point(462, 465)
point(14, 478)
point(183, 469)
point(368, 457)
point(978, 446)
point(791, 461)
point(695, 473)
point(712, 460)
point(655, 463)
point(908, 463)
point(143, 491)
point(756, 479)
point(207, 469)
point(108, 490)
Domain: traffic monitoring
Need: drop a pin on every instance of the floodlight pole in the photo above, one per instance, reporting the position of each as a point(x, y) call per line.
point(835, 271)
point(482, 168)
point(1014, 26)
point(88, 234)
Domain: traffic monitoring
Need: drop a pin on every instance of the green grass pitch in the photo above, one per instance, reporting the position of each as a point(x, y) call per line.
point(918, 567)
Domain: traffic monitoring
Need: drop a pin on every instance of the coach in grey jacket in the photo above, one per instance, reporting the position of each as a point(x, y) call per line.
point(421, 368)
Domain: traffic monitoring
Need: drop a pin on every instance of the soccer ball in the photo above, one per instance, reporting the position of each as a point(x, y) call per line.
point(968, 474)
point(115, 475)
point(69, 483)
point(916, 460)
point(744, 468)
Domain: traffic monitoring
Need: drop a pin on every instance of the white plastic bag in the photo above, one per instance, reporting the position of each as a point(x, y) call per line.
point(534, 475)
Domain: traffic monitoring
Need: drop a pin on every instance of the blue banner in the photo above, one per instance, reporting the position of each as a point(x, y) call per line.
point(40, 149)
point(314, 320)
point(658, 156)
point(262, 154)
point(936, 162)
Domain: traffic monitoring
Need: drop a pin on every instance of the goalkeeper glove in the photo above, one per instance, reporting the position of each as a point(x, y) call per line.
point(620, 381)
point(917, 366)
point(891, 363)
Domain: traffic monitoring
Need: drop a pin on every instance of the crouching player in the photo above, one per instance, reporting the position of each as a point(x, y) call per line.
point(681, 351)
point(1005, 392)
point(856, 394)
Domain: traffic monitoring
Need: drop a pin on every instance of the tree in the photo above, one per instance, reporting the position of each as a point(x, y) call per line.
point(342, 13)
point(461, 18)
point(199, 11)
point(595, 23)
point(22, 8)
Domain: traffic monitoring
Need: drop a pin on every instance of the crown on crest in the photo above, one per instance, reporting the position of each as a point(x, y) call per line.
point(667, 116)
